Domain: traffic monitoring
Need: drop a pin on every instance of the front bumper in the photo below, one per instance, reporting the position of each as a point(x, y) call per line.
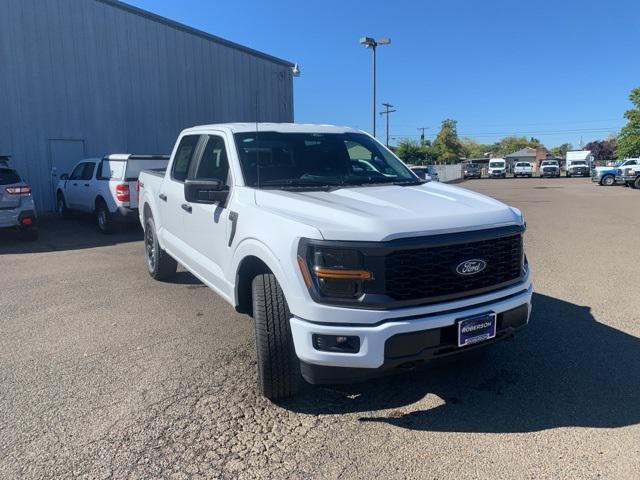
point(374, 337)
point(555, 173)
point(579, 173)
point(497, 173)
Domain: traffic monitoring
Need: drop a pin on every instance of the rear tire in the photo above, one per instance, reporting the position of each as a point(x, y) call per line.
point(160, 264)
point(278, 365)
point(636, 183)
point(608, 180)
point(104, 218)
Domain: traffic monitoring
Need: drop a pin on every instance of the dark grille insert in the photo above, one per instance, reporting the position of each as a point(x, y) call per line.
point(429, 273)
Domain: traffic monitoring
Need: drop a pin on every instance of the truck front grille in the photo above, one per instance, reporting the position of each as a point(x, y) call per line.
point(548, 169)
point(429, 273)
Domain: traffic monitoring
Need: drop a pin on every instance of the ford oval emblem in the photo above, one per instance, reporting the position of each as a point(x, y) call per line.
point(471, 267)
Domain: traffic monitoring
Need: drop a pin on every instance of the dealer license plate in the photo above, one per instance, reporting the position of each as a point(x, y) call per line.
point(476, 329)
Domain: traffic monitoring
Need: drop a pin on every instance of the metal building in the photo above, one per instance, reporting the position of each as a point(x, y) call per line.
point(82, 78)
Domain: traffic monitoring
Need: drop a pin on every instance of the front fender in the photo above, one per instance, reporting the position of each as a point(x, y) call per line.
point(254, 247)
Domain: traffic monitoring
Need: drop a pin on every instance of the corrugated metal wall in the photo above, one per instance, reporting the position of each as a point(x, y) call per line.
point(120, 82)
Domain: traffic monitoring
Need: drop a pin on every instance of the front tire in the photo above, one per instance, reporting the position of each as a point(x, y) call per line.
point(61, 206)
point(608, 181)
point(160, 264)
point(636, 183)
point(278, 365)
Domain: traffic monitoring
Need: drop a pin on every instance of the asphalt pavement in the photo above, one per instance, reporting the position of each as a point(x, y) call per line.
point(105, 373)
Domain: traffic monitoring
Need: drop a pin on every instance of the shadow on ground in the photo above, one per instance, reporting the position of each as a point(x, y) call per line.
point(76, 233)
point(565, 369)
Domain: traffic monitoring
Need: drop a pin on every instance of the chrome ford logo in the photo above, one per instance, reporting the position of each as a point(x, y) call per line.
point(471, 267)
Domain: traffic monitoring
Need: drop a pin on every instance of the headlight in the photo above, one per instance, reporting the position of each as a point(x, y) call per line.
point(335, 272)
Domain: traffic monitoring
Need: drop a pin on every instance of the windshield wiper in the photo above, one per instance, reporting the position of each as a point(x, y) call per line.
point(387, 181)
point(300, 183)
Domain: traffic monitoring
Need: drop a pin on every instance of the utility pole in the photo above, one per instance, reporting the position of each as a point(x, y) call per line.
point(421, 130)
point(372, 43)
point(387, 111)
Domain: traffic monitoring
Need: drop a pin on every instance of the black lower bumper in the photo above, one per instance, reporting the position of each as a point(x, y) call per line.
point(408, 351)
point(126, 215)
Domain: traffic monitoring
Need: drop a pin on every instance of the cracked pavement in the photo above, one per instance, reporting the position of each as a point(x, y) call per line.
point(105, 373)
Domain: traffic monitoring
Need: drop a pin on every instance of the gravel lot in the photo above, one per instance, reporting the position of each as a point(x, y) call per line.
point(105, 373)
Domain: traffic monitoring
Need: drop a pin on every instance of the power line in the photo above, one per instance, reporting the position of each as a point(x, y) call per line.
point(387, 111)
point(525, 133)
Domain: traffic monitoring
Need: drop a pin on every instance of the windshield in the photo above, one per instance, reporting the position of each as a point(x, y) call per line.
point(579, 162)
point(496, 165)
point(549, 164)
point(522, 165)
point(472, 166)
point(281, 160)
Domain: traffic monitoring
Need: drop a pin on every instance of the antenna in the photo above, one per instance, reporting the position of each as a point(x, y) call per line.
point(257, 144)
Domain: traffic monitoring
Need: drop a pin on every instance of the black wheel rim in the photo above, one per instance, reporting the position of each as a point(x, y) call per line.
point(149, 245)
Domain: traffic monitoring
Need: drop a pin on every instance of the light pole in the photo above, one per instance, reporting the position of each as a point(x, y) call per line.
point(387, 111)
point(372, 43)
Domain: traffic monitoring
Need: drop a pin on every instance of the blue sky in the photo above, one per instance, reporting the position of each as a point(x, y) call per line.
point(557, 70)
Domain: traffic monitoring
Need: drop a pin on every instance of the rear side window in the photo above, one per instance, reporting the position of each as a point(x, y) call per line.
point(183, 157)
point(111, 169)
point(8, 176)
point(213, 162)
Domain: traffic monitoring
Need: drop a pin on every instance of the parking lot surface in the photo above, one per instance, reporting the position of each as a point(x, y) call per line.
point(105, 373)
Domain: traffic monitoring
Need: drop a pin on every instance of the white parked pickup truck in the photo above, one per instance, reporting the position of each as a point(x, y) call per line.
point(105, 187)
point(350, 265)
point(523, 169)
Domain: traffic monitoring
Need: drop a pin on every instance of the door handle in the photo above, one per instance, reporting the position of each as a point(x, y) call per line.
point(163, 197)
point(86, 184)
point(75, 184)
point(186, 207)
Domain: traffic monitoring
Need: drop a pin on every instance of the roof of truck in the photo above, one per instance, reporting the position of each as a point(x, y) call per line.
point(276, 127)
point(133, 156)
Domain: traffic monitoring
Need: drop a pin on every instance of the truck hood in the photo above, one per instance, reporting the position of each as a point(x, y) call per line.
point(605, 169)
point(383, 213)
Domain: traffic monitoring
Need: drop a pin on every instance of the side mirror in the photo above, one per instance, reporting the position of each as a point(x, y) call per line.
point(64, 176)
point(208, 191)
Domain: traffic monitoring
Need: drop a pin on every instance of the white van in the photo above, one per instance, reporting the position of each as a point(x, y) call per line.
point(497, 168)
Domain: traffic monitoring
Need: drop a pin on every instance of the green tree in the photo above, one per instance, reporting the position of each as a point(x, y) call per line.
point(561, 150)
point(628, 143)
point(447, 145)
point(512, 144)
point(413, 152)
point(410, 151)
point(473, 149)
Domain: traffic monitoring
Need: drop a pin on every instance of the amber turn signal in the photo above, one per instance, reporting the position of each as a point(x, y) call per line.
point(338, 274)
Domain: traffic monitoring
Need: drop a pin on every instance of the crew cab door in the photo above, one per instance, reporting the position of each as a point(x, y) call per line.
point(73, 186)
point(207, 226)
point(171, 202)
point(86, 194)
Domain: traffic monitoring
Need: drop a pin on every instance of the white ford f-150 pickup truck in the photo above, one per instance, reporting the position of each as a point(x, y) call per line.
point(350, 265)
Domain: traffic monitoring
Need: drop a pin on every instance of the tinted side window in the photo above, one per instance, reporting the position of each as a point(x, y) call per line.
point(87, 172)
point(213, 162)
point(77, 172)
point(183, 157)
